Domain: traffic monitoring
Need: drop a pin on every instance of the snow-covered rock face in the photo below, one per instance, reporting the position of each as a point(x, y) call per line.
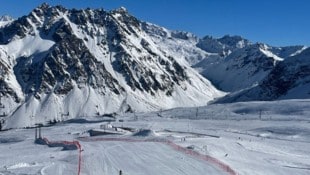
point(5, 20)
point(289, 79)
point(223, 46)
point(288, 51)
point(182, 45)
point(237, 64)
point(242, 68)
point(58, 63)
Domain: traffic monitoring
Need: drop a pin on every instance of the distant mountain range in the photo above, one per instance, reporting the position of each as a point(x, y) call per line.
point(255, 71)
point(59, 63)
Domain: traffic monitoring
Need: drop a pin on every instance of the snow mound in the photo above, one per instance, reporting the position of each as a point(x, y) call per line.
point(284, 131)
point(10, 140)
point(19, 165)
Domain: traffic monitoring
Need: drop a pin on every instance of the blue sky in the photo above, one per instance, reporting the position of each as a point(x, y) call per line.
point(276, 22)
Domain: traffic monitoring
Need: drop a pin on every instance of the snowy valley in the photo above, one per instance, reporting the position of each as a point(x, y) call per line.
point(241, 138)
point(112, 93)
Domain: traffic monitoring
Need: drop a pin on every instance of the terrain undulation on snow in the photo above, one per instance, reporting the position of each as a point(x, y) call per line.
point(251, 138)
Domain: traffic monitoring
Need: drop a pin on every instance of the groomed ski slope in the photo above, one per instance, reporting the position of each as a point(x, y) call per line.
point(142, 158)
point(99, 156)
point(254, 138)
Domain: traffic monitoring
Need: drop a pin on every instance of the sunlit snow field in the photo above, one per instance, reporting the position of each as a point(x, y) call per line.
point(263, 138)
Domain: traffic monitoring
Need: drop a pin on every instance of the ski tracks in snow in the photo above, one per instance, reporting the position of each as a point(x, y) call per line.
point(110, 163)
point(70, 144)
point(109, 151)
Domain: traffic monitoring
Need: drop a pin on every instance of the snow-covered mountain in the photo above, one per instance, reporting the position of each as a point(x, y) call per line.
point(289, 79)
point(5, 19)
point(288, 51)
point(180, 44)
point(58, 63)
point(223, 46)
point(236, 64)
point(242, 68)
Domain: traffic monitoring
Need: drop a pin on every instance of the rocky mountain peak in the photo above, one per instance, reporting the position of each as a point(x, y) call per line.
point(95, 61)
point(6, 18)
point(184, 35)
point(211, 45)
point(121, 10)
point(87, 62)
point(44, 6)
point(234, 41)
point(223, 46)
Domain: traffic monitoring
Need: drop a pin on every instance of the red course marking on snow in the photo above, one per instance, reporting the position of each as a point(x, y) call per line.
point(76, 143)
point(207, 158)
point(224, 167)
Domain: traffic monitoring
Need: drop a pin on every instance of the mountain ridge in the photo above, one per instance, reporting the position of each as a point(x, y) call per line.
point(58, 64)
point(77, 63)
